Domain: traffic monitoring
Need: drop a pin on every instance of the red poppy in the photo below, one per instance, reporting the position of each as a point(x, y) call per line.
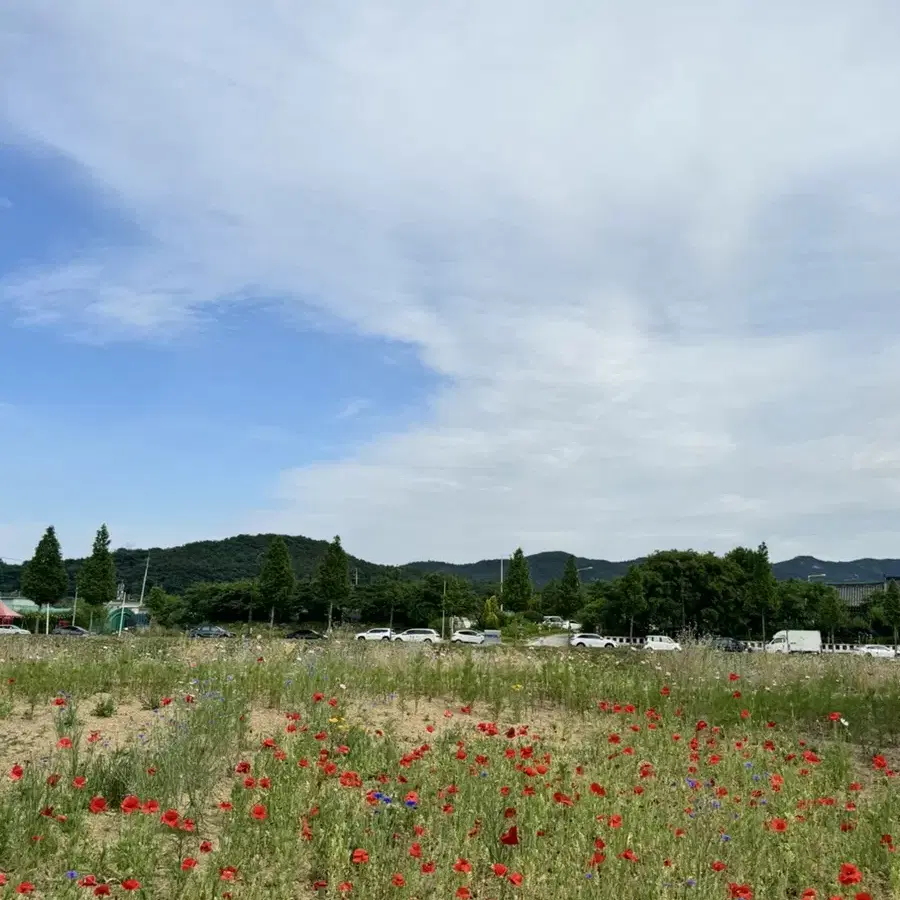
point(462, 865)
point(131, 884)
point(25, 887)
point(259, 812)
point(16, 772)
point(499, 869)
point(97, 805)
point(718, 866)
point(849, 874)
point(510, 837)
point(188, 864)
point(740, 891)
point(130, 804)
point(359, 857)
point(398, 880)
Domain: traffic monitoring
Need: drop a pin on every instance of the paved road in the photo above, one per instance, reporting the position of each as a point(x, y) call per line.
point(551, 640)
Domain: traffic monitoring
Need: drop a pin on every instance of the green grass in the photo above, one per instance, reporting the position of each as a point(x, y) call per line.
point(686, 764)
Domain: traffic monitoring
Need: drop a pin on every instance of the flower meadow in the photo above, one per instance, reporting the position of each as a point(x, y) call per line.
point(154, 768)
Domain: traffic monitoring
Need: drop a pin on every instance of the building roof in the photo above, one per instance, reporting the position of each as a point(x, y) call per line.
point(7, 613)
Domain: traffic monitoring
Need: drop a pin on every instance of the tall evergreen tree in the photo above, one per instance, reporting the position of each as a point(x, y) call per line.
point(97, 576)
point(276, 579)
point(569, 596)
point(517, 588)
point(45, 580)
point(333, 578)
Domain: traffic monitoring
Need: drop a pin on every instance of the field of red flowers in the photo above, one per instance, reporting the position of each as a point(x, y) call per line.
point(160, 770)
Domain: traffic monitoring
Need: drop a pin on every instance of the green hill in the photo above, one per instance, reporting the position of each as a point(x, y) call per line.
point(236, 558)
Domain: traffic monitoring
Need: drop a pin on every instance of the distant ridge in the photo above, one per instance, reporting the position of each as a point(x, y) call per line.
point(235, 558)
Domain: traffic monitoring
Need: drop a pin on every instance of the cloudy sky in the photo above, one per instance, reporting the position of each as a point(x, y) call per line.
point(451, 278)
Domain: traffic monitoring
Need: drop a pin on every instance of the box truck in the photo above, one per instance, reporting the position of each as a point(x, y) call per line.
point(795, 642)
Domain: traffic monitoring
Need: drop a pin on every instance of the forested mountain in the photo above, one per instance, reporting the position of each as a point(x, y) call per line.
point(549, 566)
point(176, 568)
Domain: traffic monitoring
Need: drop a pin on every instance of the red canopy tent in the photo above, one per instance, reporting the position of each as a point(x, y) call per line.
point(7, 615)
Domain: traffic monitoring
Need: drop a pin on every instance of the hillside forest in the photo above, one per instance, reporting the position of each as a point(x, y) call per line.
point(295, 579)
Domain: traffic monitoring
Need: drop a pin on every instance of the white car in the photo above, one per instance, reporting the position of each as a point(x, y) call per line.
point(13, 629)
point(418, 636)
point(875, 650)
point(660, 642)
point(589, 639)
point(375, 634)
point(467, 636)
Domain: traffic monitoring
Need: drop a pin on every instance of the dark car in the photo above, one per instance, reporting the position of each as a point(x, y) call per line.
point(209, 631)
point(729, 645)
point(70, 631)
point(306, 634)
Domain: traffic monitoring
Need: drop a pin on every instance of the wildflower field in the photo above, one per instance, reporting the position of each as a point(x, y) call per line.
point(156, 768)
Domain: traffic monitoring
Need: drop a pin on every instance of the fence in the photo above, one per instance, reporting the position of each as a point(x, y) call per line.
point(757, 645)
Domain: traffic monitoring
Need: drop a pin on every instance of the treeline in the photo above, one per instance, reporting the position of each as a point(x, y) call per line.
point(669, 591)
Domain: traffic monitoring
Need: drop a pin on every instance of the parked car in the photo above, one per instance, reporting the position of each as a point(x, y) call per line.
point(561, 623)
point(70, 631)
point(881, 651)
point(375, 634)
point(729, 645)
point(12, 629)
point(589, 639)
point(660, 642)
point(209, 631)
point(467, 636)
point(418, 636)
point(306, 634)
point(795, 642)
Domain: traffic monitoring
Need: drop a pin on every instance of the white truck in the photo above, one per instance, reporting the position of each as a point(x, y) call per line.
point(795, 642)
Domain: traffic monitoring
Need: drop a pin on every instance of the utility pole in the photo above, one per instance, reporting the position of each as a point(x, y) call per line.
point(443, 608)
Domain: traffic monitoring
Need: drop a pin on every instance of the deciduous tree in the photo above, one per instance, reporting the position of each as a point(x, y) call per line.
point(890, 608)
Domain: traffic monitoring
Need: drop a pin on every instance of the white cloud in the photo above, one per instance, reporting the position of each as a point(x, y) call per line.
point(352, 408)
point(651, 250)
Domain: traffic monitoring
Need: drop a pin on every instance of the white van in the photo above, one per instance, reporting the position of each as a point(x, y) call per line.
point(795, 642)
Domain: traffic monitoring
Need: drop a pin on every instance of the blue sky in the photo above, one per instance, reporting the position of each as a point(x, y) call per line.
point(452, 280)
point(193, 422)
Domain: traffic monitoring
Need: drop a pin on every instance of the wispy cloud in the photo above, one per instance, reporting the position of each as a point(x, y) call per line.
point(643, 245)
point(353, 408)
